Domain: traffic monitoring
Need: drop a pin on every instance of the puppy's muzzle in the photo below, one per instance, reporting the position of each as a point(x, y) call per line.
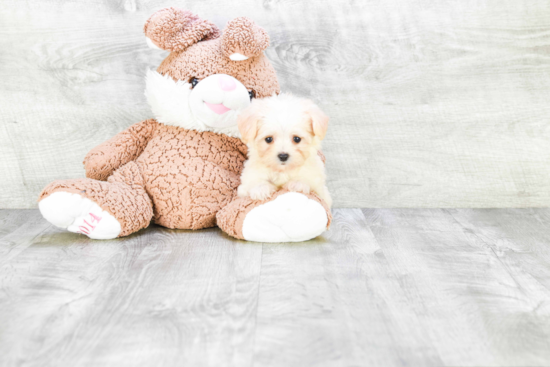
point(283, 157)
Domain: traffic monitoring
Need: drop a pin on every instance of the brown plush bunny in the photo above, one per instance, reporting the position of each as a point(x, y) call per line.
point(182, 168)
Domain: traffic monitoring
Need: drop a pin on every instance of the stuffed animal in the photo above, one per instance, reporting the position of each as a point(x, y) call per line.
point(182, 169)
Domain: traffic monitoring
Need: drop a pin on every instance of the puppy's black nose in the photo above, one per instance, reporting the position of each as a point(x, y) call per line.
point(283, 157)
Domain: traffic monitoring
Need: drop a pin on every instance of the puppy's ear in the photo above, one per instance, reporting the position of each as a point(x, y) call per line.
point(318, 119)
point(248, 122)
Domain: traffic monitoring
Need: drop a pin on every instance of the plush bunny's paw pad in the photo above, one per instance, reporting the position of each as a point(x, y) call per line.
point(79, 215)
point(291, 217)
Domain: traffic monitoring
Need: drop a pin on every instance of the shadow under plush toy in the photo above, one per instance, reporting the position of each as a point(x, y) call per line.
point(182, 169)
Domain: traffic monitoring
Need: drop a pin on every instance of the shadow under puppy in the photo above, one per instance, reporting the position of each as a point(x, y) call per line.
point(283, 134)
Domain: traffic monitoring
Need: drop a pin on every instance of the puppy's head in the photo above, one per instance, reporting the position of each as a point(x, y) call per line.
point(282, 131)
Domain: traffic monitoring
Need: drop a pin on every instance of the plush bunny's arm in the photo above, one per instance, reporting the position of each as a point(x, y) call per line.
point(322, 156)
point(124, 147)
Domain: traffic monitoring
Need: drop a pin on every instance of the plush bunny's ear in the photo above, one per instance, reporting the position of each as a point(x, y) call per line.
point(242, 39)
point(173, 29)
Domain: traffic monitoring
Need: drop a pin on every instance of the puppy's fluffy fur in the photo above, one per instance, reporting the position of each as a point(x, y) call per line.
point(277, 126)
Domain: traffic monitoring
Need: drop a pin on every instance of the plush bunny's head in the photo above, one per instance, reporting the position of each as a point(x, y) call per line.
point(209, 76)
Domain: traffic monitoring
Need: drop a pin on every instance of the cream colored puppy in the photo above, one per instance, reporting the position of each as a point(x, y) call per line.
point(283, 134)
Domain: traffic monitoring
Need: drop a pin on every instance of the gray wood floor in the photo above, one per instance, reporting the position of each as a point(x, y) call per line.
point(384, 287)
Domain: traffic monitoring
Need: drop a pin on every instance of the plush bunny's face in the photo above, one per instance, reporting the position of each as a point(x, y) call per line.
point(207, 80)
point(217, 96)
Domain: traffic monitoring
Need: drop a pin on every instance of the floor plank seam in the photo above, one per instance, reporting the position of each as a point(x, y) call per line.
point(257, 306)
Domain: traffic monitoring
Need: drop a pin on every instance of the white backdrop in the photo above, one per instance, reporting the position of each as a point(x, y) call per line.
point(433, 103)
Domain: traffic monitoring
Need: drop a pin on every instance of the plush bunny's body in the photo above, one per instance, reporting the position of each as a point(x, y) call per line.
point(182, 169)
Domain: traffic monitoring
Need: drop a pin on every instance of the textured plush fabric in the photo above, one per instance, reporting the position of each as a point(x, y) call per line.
point(231, 218)
point(126, 146)
point(180, 178)
point(123, 196)
point(205, 58)
point(190, 175)
point(243, 36)
point(175, 29)
point(322, 156)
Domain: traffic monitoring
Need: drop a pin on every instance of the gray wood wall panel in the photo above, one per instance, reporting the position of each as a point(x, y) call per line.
point(433, 104)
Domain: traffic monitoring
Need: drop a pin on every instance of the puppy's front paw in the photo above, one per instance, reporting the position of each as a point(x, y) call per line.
point(262, 192)
point(298, 186)
point(242, 191)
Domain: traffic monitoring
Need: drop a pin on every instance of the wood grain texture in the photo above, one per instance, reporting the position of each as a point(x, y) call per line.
point(384, 287)
point(433, 104)
point(159, 298)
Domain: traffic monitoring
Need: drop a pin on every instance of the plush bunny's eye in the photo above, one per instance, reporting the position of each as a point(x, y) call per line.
point(269, 139)
point(194, 81)
point(252, 94)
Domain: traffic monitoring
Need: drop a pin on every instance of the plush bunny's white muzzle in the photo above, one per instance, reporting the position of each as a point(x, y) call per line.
point(217, 100)
point(212, 105)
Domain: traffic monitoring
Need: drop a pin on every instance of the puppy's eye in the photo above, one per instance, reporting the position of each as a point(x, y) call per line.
point(269, 139)
point(252, 94)
point(297, 139)
point(194, 82)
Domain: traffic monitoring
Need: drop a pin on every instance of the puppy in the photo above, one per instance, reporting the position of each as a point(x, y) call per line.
point(283, 134)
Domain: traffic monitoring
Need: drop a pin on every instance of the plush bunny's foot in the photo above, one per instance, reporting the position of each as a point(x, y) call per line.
point(286, 217)
point(77, 214)
point(99, 209)
point(291, 217)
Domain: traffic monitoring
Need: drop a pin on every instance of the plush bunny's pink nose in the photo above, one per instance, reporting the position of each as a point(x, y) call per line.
point(226, 83)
